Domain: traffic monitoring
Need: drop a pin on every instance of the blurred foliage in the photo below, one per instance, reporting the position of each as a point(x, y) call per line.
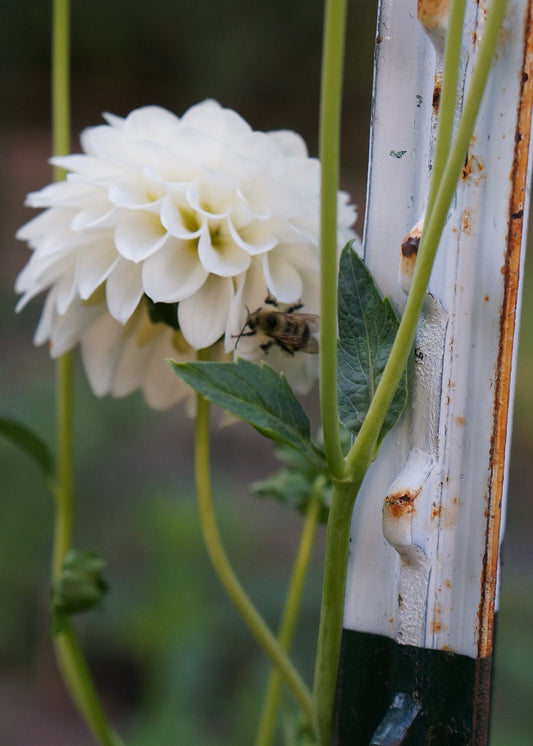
point(155, 644)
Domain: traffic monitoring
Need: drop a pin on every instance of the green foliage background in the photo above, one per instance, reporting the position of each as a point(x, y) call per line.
point(175, 663)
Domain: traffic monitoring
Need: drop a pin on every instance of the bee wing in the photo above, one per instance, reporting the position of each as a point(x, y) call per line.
point(310, 346)
point(313, 322)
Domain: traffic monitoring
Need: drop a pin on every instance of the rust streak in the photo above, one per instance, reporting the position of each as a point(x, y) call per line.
point(511, 272)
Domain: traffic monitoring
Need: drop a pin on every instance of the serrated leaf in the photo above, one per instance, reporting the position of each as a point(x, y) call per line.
point(367, 329)
point(256, 394)
point(27, 441)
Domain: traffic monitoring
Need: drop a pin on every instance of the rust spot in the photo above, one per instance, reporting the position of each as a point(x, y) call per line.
point(408, 254)
point(437, 89)
point(486, 299)
point(433, 13)
point(435, 511)
point(448, 583)
point(473, 169)
point(467, 221)
point(410, 246)
point(401, 503)
point(460, 420)
point(436, 625)
point(517, 215)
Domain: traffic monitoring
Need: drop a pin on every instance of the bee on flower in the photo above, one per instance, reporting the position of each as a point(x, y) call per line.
point(164, 232)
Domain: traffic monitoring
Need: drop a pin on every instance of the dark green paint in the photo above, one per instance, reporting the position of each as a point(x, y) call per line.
point(453, 692)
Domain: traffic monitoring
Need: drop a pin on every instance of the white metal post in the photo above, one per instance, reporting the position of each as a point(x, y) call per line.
point(422, 584)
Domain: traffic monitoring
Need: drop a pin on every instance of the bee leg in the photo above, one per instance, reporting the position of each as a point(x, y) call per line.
point(294, 307)
point(285, 347)
point(271, 301)
point(266, 346)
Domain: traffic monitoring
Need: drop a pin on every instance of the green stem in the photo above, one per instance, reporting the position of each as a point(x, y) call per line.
point(330, 117)
point(64, 490)
point(332, 608)
point(78, 680)
point(60, 81)
point(290, 613)
point(448, 98)
point(70, 659)
point(225, 572)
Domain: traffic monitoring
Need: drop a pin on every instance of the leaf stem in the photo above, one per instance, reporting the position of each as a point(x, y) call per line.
point(224, 570)
point(448, 98)
point(290, 613)
point(330, 118)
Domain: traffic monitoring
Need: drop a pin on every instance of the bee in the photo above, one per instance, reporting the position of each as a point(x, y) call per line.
point(283, 326)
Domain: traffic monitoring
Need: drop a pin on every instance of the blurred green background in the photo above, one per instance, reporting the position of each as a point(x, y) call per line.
point(175, 663)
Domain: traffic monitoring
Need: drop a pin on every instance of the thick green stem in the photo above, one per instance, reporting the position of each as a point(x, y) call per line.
point(225, 572)
point(267, 724)
point(332, 608)
point(330, 117)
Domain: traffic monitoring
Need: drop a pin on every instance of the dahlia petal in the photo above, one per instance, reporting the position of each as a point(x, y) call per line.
point(202, 317)
point(203, 199)
point(290, 143)
point(259, 237)
point(208, 116)
point(225, 259)
point(94, 264)
point(100, 350)
point(173, 273)
point(135, 196)
point(161, 386)
point(179, 223)
point(283, 280)
point(124, 289)
point(100, 214)
point(85, 166)
point(138, 235)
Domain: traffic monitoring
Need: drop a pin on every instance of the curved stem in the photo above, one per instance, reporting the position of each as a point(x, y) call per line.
point(225, 572)
point(77, 677)
point(330, 115)
point(290, 613)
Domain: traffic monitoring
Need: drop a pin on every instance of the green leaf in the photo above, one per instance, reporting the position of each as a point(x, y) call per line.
point(28, 442)
point(256, 394)
point(367, 329)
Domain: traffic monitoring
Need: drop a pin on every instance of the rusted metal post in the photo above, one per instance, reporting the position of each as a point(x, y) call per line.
point(423, 578)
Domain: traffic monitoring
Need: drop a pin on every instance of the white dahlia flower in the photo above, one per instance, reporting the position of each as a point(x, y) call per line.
point(165, 231)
